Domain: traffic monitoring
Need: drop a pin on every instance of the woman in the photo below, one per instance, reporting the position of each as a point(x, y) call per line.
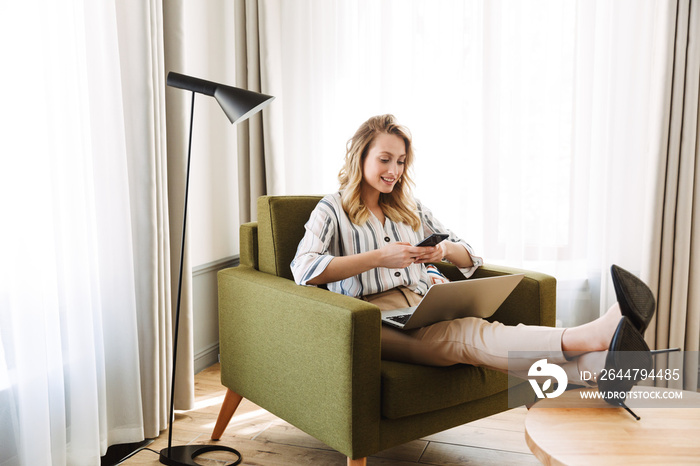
point(359, 242)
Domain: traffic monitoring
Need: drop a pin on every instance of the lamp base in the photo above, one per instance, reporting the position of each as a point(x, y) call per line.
point(185, 455)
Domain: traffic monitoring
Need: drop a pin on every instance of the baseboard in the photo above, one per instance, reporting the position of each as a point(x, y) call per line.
point(206, 357)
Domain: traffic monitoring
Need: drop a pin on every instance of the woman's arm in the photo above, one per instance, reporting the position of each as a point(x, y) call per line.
point(452, 249)
point(342, 267)
point(457, 254)
point(393, 256)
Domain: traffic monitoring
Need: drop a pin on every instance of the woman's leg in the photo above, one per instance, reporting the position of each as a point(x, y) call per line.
point(481, 343)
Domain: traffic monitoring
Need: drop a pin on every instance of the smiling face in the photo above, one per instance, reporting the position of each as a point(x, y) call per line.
point(383, 165)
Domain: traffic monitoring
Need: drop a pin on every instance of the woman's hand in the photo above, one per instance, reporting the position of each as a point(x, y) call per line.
point(400, 255)
point(432, 254)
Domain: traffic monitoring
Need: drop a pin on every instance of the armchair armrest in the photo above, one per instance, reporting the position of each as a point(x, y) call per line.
point(533, 302)
point(308, 355)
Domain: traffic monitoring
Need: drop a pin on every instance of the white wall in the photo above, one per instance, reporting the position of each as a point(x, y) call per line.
point(213, 204)
point(213, 214)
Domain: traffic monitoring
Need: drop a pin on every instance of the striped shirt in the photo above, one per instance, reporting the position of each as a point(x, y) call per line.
point(330, 233)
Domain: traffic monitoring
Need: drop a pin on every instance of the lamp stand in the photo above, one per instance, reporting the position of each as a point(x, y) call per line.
point(185, 455)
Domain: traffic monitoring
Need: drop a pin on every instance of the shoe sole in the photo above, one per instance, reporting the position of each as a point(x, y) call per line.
point(634, 297)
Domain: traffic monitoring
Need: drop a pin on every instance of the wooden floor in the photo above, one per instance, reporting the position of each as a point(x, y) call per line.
point(264, 439)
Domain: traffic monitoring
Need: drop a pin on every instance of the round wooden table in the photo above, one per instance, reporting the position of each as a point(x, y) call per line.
point(572, 430)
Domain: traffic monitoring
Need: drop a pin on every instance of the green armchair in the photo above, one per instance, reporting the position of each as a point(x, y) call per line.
point(312, 357)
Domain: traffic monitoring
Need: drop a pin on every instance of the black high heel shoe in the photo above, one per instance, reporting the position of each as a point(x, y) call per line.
point(634, 297)
point(627, 363)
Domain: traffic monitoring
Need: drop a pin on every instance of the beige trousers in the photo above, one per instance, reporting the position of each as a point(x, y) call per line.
point(469, 340)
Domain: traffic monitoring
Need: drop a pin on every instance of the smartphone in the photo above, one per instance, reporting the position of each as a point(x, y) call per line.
point(432, 240)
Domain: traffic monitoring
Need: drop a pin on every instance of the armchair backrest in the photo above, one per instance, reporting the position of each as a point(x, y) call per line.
point(280, 227)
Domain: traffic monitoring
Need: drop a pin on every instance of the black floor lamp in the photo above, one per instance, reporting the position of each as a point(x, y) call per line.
point(238, 105)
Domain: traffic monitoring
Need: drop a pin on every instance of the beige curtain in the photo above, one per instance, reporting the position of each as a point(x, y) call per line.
point(142, 84)
point(674, 256)
point(156, 178)
point(251, 160)
point(178, 106)
point(260, 160)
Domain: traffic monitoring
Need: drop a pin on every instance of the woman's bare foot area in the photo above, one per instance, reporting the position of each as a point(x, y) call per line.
point(592, 336)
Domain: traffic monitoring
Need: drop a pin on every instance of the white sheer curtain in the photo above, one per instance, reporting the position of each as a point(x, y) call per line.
point(70, 382)
point(530, 119)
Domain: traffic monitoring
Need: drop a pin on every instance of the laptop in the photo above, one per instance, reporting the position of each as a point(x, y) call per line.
point(476, 297)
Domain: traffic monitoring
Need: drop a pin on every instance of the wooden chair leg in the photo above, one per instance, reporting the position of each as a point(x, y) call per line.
point(228, 407)
point(357, 462)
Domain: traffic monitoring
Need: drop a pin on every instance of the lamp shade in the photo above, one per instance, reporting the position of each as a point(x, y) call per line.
point(238, 104)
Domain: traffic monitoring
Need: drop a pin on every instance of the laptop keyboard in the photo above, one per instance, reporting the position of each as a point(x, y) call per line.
point(401, 319)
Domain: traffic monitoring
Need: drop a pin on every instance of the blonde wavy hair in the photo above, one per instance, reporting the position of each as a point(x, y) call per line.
point(398, 205)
